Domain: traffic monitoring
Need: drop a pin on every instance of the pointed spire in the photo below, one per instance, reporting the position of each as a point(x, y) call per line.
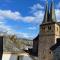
point(52, 12)
point(46, 15)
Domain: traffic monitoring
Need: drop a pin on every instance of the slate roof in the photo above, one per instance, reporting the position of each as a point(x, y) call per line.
point(56, 45)
point(49, 15)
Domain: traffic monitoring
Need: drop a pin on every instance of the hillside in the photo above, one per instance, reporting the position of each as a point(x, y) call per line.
point(13, 44)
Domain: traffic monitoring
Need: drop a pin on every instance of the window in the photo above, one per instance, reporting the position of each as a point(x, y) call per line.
point(57, 28)
point(49, 27)
point(43, 29)
point(20, 58)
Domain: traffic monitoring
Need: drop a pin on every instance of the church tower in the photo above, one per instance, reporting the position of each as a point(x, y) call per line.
point(49, 32)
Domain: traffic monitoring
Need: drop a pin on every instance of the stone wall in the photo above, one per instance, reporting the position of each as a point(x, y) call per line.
point(45, 43)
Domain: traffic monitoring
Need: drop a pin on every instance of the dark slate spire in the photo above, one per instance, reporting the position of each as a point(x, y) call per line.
point(46, 15)
point(52, 12)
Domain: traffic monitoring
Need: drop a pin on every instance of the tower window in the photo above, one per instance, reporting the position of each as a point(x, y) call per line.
point(49, 27)
point(43, 29)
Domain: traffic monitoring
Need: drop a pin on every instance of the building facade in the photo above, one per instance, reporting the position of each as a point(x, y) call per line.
point(49, 33)
point(35, 45)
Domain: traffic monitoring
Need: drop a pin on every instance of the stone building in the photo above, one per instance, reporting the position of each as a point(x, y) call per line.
point(10, 51)
point(35, 45)
point(49, 35)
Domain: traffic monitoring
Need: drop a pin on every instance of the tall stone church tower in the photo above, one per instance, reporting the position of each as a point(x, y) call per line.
point(49, 32)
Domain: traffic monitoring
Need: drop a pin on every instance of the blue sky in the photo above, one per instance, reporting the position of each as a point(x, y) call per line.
point(23, 17)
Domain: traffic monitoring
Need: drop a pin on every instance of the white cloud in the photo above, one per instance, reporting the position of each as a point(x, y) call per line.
point(57, 12)
point(28, 18)
point(10, 31)
point(24, 35)
point(58, 5)
point(2, 22)
point(9, 14)
point(36, 7)
point(32, 28)
point(17, 16)
point(5, 28)
point(37, 17)
point(38, 13)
